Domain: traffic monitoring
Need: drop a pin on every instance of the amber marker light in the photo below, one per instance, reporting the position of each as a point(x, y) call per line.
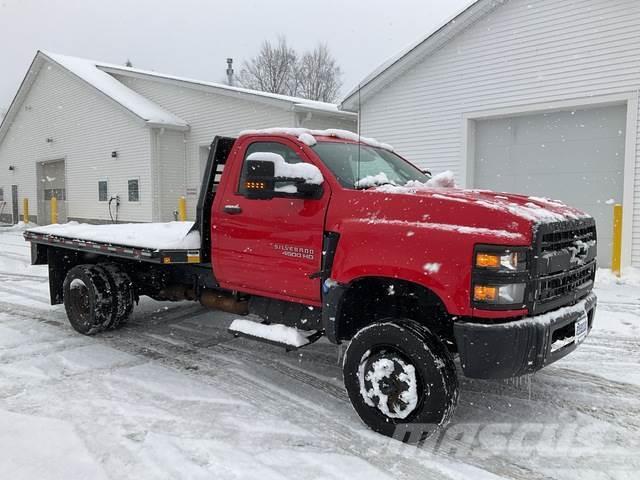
point(487, 260)
point(255, 185)
point(483, 293)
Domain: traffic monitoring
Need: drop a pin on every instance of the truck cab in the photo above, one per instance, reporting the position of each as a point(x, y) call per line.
point(338, 236)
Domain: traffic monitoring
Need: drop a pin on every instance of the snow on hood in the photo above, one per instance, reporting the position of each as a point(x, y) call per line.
point(445, 227)
point(533, 209)
point(442, 180)
point(307, 136)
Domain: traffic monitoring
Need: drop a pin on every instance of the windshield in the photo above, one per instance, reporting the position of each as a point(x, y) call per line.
point(361, 166)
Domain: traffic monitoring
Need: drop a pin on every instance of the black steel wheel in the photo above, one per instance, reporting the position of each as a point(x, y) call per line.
point(122, 294)
point(400, 379)
point(87, 299)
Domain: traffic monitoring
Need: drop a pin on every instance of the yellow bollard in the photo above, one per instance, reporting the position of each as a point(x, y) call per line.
point(25, 210)
point(182, 209)
point(54, 210)
point(616, 255)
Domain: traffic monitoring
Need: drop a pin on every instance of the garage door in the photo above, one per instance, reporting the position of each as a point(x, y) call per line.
point(575, 156)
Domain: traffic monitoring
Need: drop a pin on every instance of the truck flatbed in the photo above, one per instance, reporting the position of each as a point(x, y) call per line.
point(162, 243)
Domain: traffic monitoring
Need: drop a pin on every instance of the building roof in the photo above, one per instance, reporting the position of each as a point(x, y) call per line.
point(416, 52)
point(223, 88)
point(100, 75)
point(90, 72)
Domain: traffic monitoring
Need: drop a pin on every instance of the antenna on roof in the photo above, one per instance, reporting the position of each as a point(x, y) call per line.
point(359, 139)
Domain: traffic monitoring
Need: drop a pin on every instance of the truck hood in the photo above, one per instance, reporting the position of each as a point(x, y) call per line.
point(535, 209)
point(498, 215)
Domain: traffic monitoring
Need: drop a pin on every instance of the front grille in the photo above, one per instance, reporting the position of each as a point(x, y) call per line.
point(565, 283)
point(563, 238)
point(563, 263)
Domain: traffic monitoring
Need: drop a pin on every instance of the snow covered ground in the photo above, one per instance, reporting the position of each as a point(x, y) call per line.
point(173, 395)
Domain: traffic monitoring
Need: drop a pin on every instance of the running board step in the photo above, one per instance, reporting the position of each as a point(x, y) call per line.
point(274, 334)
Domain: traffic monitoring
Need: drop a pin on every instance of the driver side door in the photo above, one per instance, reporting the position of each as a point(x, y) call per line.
point(269, 247)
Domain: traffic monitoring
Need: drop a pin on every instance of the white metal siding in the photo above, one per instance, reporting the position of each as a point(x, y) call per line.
point(208, 115)
point(85, 127)
point(319, 121)
point(524, 52)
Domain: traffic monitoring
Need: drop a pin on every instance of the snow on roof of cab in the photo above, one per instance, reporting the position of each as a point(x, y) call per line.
point(90, 72)
point(303, 135)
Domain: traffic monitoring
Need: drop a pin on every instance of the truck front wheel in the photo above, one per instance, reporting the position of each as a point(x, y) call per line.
point(87, 299)
point(401, 379)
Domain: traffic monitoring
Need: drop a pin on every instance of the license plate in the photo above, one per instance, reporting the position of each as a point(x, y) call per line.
point(581, 328)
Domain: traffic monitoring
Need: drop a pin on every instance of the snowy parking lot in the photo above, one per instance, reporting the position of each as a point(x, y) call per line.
point(173, 395)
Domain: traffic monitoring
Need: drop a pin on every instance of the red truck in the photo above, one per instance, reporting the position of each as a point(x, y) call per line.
point(326, 234)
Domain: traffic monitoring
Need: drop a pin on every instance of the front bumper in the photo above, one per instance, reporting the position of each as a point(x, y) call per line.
point(520, 347)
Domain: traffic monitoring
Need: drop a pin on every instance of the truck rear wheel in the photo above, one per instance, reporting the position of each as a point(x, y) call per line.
point(400, 379)
point(87, 299)
point(122, 294)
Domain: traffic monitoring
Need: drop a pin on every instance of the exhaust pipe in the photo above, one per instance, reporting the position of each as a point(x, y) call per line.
point(225, 302)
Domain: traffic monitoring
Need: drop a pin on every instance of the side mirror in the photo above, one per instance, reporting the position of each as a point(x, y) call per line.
point(302, 180)
point(260, 180)
point(427, 172)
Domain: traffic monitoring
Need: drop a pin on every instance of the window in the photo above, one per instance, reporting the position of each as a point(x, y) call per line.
point(352, 163)
point(134, 190)
point(289, 155)
point(1, 194)
point(103, 191)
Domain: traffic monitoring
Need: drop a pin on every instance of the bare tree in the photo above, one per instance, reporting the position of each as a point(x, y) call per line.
point(279, 69)
point(319, 75)
point(272, 70)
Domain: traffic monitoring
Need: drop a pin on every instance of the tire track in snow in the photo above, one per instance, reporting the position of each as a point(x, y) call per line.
point(23, 293)
point(313, 415)
point(16, 277)
point(276, 387)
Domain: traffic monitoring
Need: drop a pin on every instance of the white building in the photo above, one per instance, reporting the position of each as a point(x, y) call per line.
point(88, 131)
point(529, 96)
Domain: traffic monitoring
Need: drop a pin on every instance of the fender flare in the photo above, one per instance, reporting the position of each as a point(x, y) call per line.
point(332, 299)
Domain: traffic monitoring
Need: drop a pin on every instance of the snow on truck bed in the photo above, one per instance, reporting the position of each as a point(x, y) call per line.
point(153, 236)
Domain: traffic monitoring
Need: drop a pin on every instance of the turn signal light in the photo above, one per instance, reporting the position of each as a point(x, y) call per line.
point(255, 185)
point(487, 260)
point(483, 293)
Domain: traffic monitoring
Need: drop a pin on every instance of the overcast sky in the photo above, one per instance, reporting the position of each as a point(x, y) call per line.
point(193, 38)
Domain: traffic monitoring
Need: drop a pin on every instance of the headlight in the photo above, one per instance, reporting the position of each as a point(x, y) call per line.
point(506, 261)
point(508, 294)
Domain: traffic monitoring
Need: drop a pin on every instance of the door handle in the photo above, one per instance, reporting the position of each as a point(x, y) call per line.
point(232, 209)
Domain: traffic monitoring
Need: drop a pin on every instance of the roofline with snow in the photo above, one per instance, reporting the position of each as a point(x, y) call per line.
point(32, 73)
point(176, 123)
point(294, 104)
point(283, 101)
point(342, 114)
point(407, 58)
